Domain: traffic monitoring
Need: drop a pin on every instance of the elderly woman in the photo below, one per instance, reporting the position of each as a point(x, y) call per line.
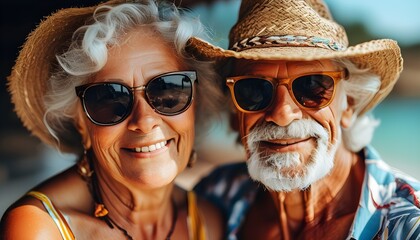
point(114, 84)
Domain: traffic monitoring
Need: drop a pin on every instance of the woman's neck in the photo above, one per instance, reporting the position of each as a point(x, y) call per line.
point(143, 213)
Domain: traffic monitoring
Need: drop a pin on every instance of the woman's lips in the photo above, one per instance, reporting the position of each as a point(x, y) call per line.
point(151, 148)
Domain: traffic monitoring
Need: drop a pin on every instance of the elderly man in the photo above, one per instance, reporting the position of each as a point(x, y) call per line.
point(302, 99)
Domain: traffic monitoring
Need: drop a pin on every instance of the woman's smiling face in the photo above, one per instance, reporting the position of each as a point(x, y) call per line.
point(147, 149)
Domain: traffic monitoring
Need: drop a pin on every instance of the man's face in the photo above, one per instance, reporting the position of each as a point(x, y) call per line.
point(290, 146)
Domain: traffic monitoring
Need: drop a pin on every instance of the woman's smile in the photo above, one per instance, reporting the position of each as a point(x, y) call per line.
point(149, 150)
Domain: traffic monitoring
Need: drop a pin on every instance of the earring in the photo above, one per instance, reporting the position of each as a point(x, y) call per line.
point(83, 167)
point(193, 159)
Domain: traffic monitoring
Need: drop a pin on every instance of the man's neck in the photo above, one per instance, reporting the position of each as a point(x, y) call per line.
point(323, 199)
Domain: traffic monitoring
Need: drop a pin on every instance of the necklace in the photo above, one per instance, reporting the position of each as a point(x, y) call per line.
point(84, 169)
point(102, 213)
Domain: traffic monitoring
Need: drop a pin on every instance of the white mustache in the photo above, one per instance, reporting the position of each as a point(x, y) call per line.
point(267, 168)
point(303, 128)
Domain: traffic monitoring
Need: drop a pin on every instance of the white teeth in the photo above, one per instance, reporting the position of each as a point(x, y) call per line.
point(151, 148)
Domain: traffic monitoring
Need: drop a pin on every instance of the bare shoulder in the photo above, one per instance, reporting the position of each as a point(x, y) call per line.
point(27, 220)
point(212, 217)
point(61, 190)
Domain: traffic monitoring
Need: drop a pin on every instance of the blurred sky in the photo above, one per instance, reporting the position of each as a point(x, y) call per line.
point(399, 20)
point(383, 18)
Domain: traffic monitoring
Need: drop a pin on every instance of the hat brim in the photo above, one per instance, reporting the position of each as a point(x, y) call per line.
point(28, 81)
point(381, 57)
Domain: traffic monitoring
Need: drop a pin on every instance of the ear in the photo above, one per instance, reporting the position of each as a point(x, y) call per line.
point(347, 116)
point(82, 128)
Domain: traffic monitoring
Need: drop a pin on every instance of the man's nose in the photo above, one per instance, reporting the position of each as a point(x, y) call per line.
point(283, 110)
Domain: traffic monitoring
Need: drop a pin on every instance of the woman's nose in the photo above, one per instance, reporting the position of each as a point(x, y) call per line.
point(143, 117)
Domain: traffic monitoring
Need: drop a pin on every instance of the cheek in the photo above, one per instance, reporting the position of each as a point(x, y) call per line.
point(105, 142)
point(184, 127)
point(246, 122)
point(329, 118)
point(187, 132)
point(105, 137)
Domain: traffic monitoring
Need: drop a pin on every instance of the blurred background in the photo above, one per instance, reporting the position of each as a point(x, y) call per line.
point(25, 161)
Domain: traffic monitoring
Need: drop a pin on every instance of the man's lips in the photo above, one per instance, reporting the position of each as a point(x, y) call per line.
point(283, 144)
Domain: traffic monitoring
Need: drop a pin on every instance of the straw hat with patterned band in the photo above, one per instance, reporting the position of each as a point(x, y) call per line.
point(28, 81)
point(302, 30)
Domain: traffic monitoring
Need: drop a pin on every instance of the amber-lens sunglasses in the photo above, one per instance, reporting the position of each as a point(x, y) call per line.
point(252, 94)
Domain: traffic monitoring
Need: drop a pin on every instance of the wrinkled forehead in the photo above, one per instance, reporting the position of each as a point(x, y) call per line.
point(281, 67)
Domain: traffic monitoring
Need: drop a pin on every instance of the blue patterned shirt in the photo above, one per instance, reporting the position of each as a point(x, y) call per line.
point(389, 206)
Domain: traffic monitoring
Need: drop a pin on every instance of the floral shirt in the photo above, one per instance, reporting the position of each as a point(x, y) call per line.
point(389, 206)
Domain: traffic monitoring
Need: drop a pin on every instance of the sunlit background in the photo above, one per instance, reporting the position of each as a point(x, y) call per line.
point(24, 161)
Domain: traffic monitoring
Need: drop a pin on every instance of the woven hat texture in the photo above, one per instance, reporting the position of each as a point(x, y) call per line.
point(302, 30)
point(28, 81)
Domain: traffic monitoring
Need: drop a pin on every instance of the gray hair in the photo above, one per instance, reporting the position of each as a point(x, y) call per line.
point(87, 54)
point(361, 87)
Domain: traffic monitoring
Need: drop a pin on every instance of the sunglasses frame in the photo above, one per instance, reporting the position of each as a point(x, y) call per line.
point(288, 82)
point(81, 90)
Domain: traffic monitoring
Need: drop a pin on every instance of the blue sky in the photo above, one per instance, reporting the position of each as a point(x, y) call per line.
point(399, 20)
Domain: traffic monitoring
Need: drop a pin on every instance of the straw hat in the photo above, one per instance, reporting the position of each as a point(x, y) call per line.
point(28, 81)
point(302, 30)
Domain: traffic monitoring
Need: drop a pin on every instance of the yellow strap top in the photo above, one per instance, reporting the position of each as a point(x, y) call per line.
point(195, 223)
point(58, 218)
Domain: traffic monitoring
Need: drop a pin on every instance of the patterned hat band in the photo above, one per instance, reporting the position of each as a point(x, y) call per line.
point(286, 40)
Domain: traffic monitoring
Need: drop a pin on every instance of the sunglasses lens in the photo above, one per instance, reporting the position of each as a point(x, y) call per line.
point(313, 91)
point(170, 94)
point(107, 103)
point(253, 94)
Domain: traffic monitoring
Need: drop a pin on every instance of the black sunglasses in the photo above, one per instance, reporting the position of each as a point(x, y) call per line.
point(253, 94)
point(109, 103)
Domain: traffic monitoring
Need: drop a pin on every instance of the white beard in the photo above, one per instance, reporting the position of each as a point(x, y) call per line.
point(270, 169)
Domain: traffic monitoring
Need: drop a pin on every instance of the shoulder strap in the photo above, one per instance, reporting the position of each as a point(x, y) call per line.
point(56, 215)
point(195, 222)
